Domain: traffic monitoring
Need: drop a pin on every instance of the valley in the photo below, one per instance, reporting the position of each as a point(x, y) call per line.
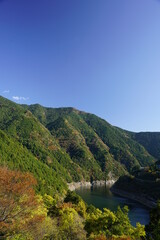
point(64, 148)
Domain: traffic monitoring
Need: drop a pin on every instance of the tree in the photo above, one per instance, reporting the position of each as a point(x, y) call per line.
point(153, 228)
point(100, 224)
point(77, 203)
point(71, 225)
point(123, 227)
point(20, 208)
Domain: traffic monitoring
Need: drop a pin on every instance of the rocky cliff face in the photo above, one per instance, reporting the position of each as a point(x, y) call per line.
point(74, 185)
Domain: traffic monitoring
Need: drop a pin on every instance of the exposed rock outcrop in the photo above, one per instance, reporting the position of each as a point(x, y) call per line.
point(74, 185)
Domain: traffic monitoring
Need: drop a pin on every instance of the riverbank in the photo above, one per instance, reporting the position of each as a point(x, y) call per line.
point(144, 192)
point(74, 185)
point(140, 199)
point(101, 197)
point(110, 183)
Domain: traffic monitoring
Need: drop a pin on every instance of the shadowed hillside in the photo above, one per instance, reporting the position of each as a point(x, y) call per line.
point(150, 140)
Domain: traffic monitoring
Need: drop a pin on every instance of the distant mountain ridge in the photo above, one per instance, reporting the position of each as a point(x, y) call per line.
point(70, 144)
point(151, 142)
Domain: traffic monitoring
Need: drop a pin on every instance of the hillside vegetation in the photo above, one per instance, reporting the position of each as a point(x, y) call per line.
point(60, 145)
point(43, 149)
point(151, 142)
point(85, 135)
point(27, 216)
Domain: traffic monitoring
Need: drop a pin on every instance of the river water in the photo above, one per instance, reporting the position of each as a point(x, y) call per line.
point(101, 197)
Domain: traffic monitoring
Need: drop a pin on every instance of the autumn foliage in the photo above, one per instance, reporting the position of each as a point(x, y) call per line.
point(18, 202)
point(27, 216)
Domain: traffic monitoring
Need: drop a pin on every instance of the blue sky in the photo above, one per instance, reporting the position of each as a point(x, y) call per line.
point(100, 56)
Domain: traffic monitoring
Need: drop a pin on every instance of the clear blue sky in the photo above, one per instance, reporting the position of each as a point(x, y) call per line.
point(100, 56)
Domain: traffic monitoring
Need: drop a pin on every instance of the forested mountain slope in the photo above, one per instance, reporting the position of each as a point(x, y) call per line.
point(15, 156)
point(23, 128)
point(150, 140)
point(60, 145)
point(81, 133)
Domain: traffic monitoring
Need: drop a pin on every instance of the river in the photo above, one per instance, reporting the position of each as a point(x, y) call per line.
point(102, 197)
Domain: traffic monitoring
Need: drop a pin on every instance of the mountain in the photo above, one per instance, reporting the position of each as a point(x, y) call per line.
point(150, 140)
point(82, 134)
point(60, 145)
point(15, 156)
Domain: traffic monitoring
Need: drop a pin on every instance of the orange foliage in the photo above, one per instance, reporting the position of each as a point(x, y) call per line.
point(17, 200)
point(121, 238)
point(102, 237)
point(66, 205)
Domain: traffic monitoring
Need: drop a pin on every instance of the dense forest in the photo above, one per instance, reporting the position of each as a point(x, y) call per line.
point(65, 145)
point(43, 149)
point(25, 215)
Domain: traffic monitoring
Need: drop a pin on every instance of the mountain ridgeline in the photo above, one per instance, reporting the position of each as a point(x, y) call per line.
point(60, 145)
